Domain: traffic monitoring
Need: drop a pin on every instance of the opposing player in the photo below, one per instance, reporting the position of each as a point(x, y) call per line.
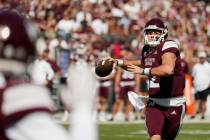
point(161, 64)
point(25, 109)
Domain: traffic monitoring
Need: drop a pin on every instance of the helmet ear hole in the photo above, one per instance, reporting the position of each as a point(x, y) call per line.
point(18, 32)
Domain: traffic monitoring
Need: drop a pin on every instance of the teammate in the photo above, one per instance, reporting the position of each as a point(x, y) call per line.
point(161, 64)
point(25, 108)
point(125, 81)
point(104, 91)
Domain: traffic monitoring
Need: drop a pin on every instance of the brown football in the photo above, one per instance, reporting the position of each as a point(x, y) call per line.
point(104, 68)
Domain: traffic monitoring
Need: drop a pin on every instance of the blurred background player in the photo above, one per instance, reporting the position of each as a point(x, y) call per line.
point(125, 81)
point(105, 90)
point(201, 84)
point(26, 108)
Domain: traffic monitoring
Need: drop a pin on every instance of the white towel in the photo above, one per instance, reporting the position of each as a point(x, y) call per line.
point(137, 100)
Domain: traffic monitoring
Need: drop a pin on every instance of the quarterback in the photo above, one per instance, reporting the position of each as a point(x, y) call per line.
point(161, 63)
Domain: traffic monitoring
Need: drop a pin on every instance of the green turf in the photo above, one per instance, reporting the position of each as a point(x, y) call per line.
point(137, 132)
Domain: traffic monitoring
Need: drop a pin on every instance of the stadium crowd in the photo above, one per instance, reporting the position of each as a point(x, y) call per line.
point(98, 28)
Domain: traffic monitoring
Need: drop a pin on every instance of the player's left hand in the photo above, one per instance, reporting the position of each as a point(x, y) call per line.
point(135, 69)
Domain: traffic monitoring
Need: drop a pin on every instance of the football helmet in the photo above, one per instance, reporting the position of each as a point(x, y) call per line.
point(155, 25)
point(18, 36)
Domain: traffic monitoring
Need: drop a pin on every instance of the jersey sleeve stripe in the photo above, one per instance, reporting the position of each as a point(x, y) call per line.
point(22, 98)
point(170, 44)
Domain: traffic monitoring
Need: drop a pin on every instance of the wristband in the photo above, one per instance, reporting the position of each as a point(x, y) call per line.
point(120, 62)
point(146, 71)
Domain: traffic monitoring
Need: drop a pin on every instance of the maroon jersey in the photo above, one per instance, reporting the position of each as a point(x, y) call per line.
point(127, 79)
point(104, 88)
point(19, 98)
point(127, 83)
point(167, 86)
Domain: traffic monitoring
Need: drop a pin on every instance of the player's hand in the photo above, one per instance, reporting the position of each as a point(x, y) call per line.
point(82, 85)
point(135, 69)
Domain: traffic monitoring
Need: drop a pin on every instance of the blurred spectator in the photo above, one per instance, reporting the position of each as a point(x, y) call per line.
point(42, 72)
point(184, 63)
point(67, 25)
point(132, 8)
point(201, 84)
point(116, 50)
point(190, 24)
point(100, 25)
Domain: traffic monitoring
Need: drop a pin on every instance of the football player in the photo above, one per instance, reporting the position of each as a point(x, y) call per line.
point(104, 90)
point(25, 108)
point(125, 81)
point(161, 63)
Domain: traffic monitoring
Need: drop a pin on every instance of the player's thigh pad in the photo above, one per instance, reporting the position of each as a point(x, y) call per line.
point(174, 117)
point(154, 121)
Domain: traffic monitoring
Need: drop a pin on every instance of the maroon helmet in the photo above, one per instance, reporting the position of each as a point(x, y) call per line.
point(155, 24)
point(18, 36)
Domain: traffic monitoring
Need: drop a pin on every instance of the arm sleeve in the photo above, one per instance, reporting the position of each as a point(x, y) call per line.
point(170, 46)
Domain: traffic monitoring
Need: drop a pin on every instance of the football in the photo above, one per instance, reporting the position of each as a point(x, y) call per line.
point(104, 68)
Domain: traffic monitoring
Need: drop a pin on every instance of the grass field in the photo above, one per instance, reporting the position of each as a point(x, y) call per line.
point(137, 131)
